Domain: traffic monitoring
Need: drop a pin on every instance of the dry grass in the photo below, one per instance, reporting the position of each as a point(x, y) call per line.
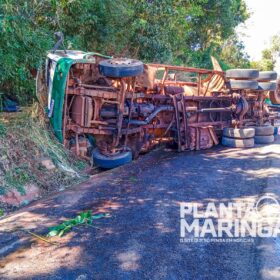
point(24, 141)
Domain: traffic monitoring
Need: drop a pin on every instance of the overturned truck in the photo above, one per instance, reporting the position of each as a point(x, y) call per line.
point(112, 109)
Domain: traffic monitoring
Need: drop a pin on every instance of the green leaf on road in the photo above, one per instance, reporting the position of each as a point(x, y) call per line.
point(84, 218)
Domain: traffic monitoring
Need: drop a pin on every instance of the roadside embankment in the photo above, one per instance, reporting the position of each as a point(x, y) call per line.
point(32, 162)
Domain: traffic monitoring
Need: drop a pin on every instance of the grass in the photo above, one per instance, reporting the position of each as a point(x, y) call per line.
point(18, 177)
point(24, 140)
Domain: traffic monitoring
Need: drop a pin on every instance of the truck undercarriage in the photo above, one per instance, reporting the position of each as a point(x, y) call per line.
point(135, 107)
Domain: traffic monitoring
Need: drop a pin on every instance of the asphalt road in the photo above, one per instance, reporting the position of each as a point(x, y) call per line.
point(141, 239)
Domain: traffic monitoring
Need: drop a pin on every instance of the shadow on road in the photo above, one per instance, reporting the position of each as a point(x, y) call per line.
point(141, 238)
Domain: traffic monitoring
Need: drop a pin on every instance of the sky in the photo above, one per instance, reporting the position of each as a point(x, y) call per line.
point(263, 23)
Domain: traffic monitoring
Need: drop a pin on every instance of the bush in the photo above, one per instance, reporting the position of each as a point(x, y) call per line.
point(168, 31)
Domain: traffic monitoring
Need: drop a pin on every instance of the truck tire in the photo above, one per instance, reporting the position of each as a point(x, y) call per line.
point(243, 84)
point(120, 67)
point(241, 133)
point(242, 74)
point(274, 97)
point(266, 76)
point(238, 143)
point(267, 86)
point(109, 162)
point(265, 139)
point(265, 130)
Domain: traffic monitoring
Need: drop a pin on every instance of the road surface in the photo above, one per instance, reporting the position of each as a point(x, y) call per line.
point(141, 239)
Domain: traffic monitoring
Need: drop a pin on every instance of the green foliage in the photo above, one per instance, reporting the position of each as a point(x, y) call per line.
point(84, 218)
point(168, 31)
point(27, 29)
point(209, 24)
point(23, 43)
point(269, 55)
point(2, 213)
point(183, 32)
point(2, 130)
point(18, 177)
point(157, 29)
point(233, 53)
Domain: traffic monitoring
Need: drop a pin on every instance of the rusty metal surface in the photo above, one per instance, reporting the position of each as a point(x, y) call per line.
point(186, 105)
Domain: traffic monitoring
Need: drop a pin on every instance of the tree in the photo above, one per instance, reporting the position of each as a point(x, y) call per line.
point(269, 55)
point(184, 31)
point(210, 24)
point(157, 29)
point(233, 53)
point(27, 29)
point(23, 41)
point(166, 31)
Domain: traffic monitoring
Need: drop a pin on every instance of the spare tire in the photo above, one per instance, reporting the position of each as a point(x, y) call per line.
point(265, 139)
point(109, 162)
point(241, 133)
point(238, 143)
point(242, 74)
point(121, 67)
point(266, 76)
point(243, 84)
point(267, 86)
point(264, 130)
point(274, 96)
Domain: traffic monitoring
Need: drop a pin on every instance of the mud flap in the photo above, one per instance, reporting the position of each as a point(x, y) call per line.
point(202, 138)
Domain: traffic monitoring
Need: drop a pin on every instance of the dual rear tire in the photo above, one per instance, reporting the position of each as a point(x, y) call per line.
point(238, 143)
point(242, 79)
point(251, 79)
point(264, 134)
point(248, 137)
point(238, 137)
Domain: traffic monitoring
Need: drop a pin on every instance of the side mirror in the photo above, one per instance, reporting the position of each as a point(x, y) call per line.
point(60, 41)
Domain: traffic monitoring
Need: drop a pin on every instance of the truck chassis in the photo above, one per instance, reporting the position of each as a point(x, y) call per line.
point(185, 107)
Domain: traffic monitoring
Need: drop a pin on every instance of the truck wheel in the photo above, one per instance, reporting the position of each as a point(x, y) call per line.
point(266, 76)
point(243, 84)
point(109, 162)
point(241, 133)
point(242, 74)
point(274, 97)
point(267, 86)
point(265, 130)
point(121, 67)
point(265, 139)
point(238, 143)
